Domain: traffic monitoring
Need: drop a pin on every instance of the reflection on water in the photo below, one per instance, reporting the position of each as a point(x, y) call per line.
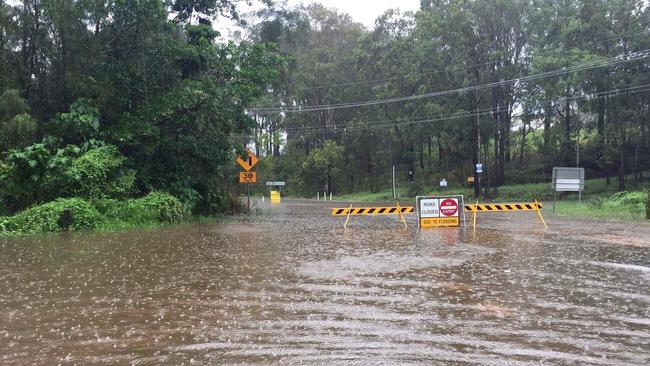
point(294, 287)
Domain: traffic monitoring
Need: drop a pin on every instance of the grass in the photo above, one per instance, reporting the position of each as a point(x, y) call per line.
point(512, 192)
point(590, 211)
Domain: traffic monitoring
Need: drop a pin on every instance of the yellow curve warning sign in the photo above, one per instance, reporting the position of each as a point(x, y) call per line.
point(248, 161)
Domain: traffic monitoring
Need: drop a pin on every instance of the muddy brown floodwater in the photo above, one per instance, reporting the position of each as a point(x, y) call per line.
point(294, 287)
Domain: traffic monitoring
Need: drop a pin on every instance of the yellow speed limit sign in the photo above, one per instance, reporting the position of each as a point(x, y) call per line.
point(247, 177)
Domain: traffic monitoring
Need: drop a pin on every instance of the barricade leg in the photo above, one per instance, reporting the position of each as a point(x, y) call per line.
point(399, 210)
point(539, 212)
point(345, 226)
point(474, 218)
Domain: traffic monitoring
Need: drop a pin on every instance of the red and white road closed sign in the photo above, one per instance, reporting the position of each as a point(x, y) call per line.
point(449, 207)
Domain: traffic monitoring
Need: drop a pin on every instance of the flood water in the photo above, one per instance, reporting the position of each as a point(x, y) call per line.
point(293, 287)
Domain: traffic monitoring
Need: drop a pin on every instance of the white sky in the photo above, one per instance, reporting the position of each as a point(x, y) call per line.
point(364, 11)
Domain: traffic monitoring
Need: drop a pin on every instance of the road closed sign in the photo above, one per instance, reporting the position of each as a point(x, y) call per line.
point(430, 207)
point(439, 211)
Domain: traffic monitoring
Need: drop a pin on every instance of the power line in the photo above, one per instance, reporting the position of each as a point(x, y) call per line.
point(391, 123)
point(632, 56)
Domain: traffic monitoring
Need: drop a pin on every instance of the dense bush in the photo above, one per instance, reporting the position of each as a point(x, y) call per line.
point(155, 206)
point(102, 214)
point(47, 170)
point(46, 217)
point(631, 200)
point(99, 173)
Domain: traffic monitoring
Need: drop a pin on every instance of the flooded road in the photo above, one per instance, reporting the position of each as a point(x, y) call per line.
point(294, 287)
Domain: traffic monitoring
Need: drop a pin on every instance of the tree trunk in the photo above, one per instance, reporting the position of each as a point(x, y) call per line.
point(421, 154)
point(506, 136)
point(621, 160)
point(601, 118)
point(429, 146)
point(548, 115)
point(523, 144)
point(566, 150)
point(275, 138)
point(497, 154)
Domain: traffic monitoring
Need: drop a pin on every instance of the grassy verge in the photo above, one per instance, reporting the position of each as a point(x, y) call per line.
point(594, 188)
point(589, 210)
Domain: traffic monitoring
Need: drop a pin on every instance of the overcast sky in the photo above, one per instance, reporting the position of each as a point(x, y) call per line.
point(364, 11)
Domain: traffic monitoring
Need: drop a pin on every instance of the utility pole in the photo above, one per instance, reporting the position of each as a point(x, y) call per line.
point(394, 182)
point(477, 175)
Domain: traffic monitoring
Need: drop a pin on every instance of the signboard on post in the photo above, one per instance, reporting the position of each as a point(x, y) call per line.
point(247, 177)
point(247, 161)
point(275, 184)
point(568, 179)
point(436, 211)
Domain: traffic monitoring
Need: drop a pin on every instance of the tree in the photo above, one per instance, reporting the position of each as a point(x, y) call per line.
point(322, 165)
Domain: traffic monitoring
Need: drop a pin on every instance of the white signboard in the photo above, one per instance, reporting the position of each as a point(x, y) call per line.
point(275, 183)
point(429, 207)
point(568, 179)
point(479, 168)
point(443, 183)
point(440, 211)
point(567, 185)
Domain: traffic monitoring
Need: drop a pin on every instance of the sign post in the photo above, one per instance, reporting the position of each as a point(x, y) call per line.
point(479, 170)
point(436, 211)
point(247, 177)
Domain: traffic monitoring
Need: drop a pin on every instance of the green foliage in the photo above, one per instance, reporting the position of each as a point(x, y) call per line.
point(99, 173)
point(18, 131)
point(153, 209)
point(623, 200)
point(77, 126)
point(321, 165)
point(44, 171)
point(45, 217)
point(156, 206)
point(12, 104)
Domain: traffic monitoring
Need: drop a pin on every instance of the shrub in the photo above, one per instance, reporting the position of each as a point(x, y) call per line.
point(155, 206)
point(45, 217)
point(98, 173)
point(627, 199)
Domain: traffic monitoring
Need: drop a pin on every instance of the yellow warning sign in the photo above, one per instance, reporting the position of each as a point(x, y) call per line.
point(247, 177)
point(439, 221)
point(248, 161)
point(275, 197)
